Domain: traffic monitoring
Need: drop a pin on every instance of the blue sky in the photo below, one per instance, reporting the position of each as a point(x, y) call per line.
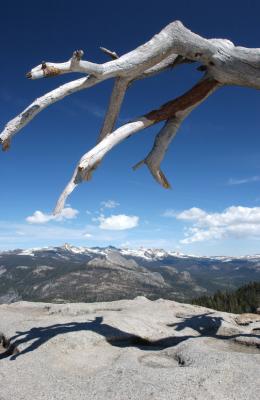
point(213, 164)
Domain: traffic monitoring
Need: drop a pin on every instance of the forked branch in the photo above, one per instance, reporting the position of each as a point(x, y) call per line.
point(223, 64)
point(38, 105)
point(173, 39)
point(181, 108)
point(174, 111)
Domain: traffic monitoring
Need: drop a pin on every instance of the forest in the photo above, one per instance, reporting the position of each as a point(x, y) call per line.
point(246, 299)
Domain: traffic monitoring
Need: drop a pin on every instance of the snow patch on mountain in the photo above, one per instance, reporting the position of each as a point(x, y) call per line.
point(146, 254)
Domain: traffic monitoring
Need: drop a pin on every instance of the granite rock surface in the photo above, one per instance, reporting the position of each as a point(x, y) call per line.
point(129, 349)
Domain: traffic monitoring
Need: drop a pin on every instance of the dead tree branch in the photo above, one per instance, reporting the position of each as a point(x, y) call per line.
point(180, 108)
point(109, 53)
point(175, 110)
point(38, 105)
point(223, 62)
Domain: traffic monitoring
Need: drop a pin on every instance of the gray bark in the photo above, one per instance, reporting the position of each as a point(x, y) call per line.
point(223, 63)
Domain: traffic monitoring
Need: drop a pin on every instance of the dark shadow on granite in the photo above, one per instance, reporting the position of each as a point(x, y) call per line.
point(205, 325)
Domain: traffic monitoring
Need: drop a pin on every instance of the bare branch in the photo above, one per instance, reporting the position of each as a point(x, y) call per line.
point(227, 63)
point(77, 56)
point(117, 96)
point(120, 87)
point(183, 103)
point(122, 84)
point(156, 155)
point(174, 38)
point(17, 123)
point(48, 70)
point(224, 63)
point(180, 108)
point(38, 105)
point(109, 53)
point(91, 159)
point(173, 45)
point(75, 64)
point(176, 110)
point(116, 99)
point(172, 61)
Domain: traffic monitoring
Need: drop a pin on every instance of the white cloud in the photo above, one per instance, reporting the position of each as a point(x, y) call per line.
point(118, 222)
point(24, 235)
point(192, 214)
point(234, 221)
point(39, 217)
point(109, 204)
point(243, 181)
point(87, 235)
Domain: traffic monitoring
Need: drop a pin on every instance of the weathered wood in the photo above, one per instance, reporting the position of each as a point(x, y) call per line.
point(222, 61)
point(227, 63)
point(182, 103)
point(182, 107)
point(38, 105)
point(175, 112)
point(113, 110)
point(109, 53)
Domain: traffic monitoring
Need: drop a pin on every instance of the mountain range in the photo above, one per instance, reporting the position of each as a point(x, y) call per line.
point(80, 274)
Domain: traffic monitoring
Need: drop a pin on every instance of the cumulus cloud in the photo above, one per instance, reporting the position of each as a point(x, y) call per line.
point(109, 204)
point(118, 222)
point(234, 221)
point(192, 214)
point(39, 217)
point(24, 235)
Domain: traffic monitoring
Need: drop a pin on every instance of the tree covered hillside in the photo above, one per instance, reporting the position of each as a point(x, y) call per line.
point(246, 299)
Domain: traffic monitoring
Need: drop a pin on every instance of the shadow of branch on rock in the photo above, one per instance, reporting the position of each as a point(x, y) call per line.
point(204, 325)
